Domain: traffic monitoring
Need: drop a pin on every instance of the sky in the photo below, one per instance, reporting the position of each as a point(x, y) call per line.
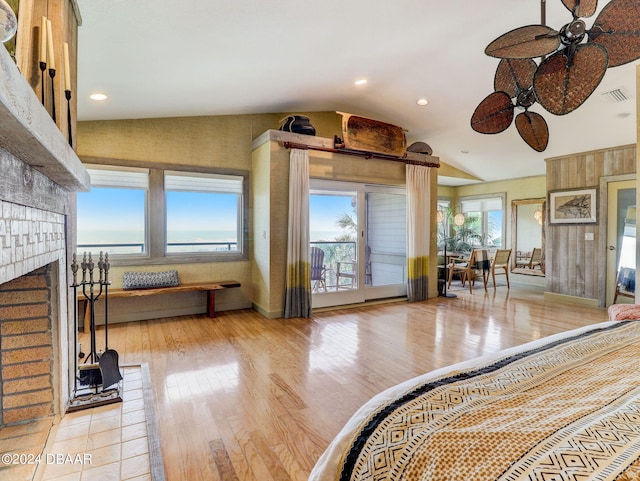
point(324, 210)
point(96, 208)
point(188, 213)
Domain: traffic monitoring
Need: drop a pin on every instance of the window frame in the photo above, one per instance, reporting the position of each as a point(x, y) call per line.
point(147, 195)
point(240, 243)
point(485, 216)
point(156, 217)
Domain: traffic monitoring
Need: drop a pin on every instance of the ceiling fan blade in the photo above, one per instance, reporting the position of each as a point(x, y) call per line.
point(581, 8)
point(494, 114)
point(533, 130)
point(525, 42)
point(617, 29)
point(562, 85)
point(514, 75)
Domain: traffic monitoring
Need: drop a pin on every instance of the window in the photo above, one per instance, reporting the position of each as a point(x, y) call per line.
point(484, 218)
point(204, 212)
point(158, 216)
point(112, 215)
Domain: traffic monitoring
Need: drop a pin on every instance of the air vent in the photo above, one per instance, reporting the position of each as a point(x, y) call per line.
point(616, 95)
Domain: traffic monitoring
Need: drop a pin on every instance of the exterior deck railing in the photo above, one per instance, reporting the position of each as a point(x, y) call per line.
point(138, 248)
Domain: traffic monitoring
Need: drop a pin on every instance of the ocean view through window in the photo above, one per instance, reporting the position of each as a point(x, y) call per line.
point(204, 212)
point(155, 215)
point(112, 215)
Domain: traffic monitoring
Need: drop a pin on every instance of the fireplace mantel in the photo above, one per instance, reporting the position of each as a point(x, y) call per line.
point(28, 132)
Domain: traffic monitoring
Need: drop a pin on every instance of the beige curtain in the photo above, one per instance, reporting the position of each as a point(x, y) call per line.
point(418, 231)
point(298, 284)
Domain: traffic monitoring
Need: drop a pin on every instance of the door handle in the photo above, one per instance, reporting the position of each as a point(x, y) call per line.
point(612, 248)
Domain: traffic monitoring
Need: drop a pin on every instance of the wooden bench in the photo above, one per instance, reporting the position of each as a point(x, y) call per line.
point(210, 287)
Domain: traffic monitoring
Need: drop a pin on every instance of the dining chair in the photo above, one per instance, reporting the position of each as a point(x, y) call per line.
point(501, 261)
point(536, 259)
point(478, 264)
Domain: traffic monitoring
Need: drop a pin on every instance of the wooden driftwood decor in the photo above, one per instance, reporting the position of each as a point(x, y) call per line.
point(369, 135)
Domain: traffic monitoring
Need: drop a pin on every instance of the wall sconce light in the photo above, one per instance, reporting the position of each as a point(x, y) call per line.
point(537, 215)
point(440, 216)
point(458, 219)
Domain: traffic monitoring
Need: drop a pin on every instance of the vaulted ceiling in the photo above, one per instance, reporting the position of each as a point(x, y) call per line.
point(155, 58)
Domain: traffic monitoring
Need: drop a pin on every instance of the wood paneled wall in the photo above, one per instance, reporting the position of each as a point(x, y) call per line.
point(576, 266)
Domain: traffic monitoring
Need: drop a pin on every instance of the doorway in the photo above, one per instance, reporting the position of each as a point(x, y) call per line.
point(360, 231)
point(621, 196)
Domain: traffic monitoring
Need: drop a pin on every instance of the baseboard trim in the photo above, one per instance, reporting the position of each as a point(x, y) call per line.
point(584, 301)
point(266, 313)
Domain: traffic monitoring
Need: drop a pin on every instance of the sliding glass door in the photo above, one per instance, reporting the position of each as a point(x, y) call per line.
point(358, 242)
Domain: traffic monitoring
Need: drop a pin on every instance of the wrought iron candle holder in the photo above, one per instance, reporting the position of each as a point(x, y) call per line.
point(67, 94)
point(52, 74)
point(43, 69)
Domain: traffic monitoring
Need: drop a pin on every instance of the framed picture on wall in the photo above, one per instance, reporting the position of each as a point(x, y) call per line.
point(578, 206)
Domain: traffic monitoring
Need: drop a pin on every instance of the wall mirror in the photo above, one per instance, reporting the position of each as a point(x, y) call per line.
point(626, 277)
point(528, 235)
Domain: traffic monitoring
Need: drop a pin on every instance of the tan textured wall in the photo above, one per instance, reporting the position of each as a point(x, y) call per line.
point(516, 189)
point(270, 275)
point(261, 228)
point(226, 142)
point(220, 141)
point(278, 219)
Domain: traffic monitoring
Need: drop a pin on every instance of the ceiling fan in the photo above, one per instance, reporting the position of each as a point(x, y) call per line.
point(573, 61)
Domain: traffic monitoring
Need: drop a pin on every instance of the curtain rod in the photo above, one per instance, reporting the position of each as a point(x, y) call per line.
point(366, 155)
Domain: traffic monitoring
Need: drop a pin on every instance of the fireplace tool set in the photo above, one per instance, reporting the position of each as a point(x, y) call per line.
point(97, 378)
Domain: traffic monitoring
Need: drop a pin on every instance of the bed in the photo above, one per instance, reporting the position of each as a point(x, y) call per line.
point(566, 407)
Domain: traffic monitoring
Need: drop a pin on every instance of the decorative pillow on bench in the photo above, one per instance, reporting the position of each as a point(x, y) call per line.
point(149, 280)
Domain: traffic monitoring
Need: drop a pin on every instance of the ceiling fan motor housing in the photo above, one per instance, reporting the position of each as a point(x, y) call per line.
point(573, 32)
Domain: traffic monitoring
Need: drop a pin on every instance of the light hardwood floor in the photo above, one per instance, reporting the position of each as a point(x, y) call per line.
point(241, 397)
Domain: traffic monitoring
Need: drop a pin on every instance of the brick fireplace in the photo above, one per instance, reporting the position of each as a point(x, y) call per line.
point(39, 173)
point(27, 351)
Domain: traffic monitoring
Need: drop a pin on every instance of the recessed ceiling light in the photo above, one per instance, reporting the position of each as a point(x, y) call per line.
point(98, 97)
point(360, 82)
point(422, 101)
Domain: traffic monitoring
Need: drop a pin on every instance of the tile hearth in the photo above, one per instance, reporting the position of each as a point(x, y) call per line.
point(116, 442)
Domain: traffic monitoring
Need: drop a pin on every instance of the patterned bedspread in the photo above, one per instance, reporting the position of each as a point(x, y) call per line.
point(567, 408)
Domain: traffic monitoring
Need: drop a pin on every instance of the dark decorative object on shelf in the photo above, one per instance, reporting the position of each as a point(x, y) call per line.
point(420, 148)
point(298, 124)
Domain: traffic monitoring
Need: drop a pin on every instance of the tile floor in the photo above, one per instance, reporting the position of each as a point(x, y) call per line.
point(106, 443)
